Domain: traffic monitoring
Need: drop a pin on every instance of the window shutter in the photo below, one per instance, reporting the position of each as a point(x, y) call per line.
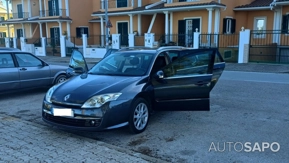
point(4, 34)
point(285, 24)
point(78, 32)
point(86, 32)
point(196, 24)
point(50, 9)
point(233, 26)
point(56, 7)
point(224, 25)
point(181, 32)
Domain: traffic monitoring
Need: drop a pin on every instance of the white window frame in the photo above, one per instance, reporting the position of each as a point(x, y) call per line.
point(229, 26)
point(259, 35)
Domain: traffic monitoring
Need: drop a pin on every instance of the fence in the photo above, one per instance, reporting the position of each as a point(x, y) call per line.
point(95, 40)
point(53, 46)
point(2, 42)
point(271, 46)
point(228, 44)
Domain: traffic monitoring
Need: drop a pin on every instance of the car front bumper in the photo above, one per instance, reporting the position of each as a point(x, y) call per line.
point(111, 115)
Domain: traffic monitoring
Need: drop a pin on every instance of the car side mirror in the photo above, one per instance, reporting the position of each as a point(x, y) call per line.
point(159, 75)
point(78, 70)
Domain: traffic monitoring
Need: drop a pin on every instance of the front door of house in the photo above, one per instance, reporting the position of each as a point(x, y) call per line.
point(122, 28)
point(55, 36)
point(19, 33)
point(186, 29)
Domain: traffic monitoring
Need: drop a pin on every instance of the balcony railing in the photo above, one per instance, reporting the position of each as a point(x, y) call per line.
point(118, 3)
point(176, 1)
point(53, 12)
point(20, 15)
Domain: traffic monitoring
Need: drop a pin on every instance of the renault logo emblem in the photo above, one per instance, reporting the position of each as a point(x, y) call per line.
point(66, 97)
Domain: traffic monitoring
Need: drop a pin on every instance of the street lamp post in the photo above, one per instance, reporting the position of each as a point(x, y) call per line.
point(106, 25)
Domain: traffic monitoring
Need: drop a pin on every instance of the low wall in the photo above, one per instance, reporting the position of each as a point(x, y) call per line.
point(94, 52)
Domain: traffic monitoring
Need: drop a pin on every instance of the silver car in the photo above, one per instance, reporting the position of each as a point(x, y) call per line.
point(22, 70)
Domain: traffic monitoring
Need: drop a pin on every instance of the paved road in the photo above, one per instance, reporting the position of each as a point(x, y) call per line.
point(256, 77)
point(23, 141)
point(245, 107)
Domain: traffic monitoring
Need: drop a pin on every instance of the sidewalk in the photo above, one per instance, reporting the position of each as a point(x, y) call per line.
point(249, 67)
point(23, 141)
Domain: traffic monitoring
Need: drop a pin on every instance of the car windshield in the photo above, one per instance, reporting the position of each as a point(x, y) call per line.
point(123, 64)
point(109, 52)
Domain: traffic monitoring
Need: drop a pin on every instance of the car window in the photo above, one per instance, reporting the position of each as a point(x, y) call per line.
point(173, 55)
point(27, 60)
point(6, 61)
point(109, 52)
point(191, 64)
point(123, 64)
point(218, 58)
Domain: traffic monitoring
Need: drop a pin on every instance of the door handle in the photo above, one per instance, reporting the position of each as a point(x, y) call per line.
point(200, 83)
point(23, 69)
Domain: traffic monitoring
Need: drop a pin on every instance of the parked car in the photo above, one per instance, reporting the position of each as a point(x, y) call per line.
point(22, 70)
point(126, 86)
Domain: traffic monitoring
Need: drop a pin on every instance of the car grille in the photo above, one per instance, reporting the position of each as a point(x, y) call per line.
point(72, 121)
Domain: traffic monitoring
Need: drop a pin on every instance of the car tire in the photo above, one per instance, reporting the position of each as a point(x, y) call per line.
point(60, 78)
point(139, 115)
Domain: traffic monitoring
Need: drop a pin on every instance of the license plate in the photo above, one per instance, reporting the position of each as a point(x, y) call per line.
point(63, 112)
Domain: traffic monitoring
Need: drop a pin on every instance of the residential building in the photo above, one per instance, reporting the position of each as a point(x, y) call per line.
point(5, 31)
point(185, 16)
point(50, 19)
point(170, 20)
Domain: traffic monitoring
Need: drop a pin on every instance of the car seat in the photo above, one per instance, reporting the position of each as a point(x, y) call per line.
point(134, 62)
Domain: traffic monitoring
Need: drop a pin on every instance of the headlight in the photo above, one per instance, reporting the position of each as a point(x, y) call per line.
point(99, 100)
point(51, 91)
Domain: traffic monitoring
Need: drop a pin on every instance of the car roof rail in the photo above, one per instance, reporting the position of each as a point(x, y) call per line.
point(169, 47)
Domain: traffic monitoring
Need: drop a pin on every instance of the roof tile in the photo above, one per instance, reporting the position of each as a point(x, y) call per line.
point(257, 3)
point(162, 6)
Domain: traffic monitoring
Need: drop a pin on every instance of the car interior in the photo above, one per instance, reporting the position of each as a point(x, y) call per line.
point(134, 62)
point(5, 63)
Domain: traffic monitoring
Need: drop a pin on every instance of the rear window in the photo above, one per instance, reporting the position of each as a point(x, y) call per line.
point(6, 61)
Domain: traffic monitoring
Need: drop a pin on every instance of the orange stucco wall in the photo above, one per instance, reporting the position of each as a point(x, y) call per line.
point(145, 22)
point(203, 14)
point(269, 18)
point(285, 10)
point(80, 18)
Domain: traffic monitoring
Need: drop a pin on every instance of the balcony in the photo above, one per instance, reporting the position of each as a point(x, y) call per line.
point(53, 12)
point(119, 4)
point(184, 2)
point(20, 15)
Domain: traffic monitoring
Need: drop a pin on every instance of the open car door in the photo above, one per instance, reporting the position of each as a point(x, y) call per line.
point(77, 64)
point(186, 82)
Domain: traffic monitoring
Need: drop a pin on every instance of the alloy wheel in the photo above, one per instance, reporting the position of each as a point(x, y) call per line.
point(140, 117)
